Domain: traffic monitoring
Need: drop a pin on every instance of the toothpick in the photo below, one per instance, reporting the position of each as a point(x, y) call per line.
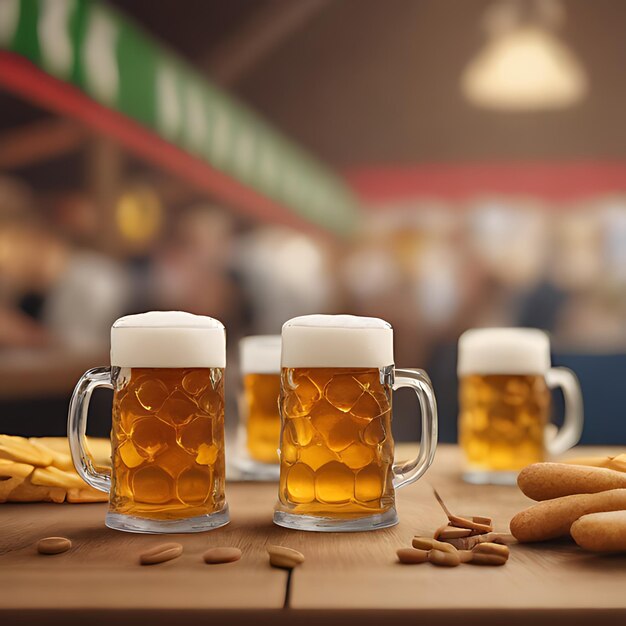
point(441, 503)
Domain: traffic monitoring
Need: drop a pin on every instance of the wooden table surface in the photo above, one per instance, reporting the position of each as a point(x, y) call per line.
point(352, 576)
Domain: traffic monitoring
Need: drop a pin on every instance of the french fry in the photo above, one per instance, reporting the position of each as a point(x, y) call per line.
point(87, 494)
point(60, 459)
point(54, 477)
point(25, 491)
point(12, 469)
point(58, 444)
point(40, 469)
point(7, 486)
point(21, 450)
point(100, 449)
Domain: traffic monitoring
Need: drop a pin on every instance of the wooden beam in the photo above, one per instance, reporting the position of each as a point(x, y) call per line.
point(39, 141)
point(262, 33)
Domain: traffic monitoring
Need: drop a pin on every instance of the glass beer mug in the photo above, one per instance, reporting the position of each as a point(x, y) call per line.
point(337, 470)
point(167, 439)
point(505, 377)
point(259, 420)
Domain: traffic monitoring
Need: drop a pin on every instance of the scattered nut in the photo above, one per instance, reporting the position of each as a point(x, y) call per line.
point(215, 556)
point(283, 557)
point(467, 543)
point(451, 532)
point(161, 553)
point(53, 545)
point(428, 543)
point(412, 555)
point(463, 522)
point(465, 555)
point(445, 559)
point(491, 548)
point(480, 558)
point(462, 540)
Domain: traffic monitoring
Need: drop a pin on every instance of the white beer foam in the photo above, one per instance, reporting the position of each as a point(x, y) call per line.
point(503, 351)
point(260, 354)
point(168, 339)
point(337, 341)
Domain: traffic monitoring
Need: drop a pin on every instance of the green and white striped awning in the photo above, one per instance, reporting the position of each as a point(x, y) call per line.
point(111, 59)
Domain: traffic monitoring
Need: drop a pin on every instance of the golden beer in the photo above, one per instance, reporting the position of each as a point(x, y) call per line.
point(502, 420)
point(261, 393)
point(505, 377)
point(168, 442)
point(336, 445)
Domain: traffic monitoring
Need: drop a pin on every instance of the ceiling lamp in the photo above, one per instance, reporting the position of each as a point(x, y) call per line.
point(524, 66)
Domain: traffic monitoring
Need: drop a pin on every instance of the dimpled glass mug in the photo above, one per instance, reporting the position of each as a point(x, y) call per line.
point(167, 440)
point(259, 421)
point(505, 379)
point(337, 470)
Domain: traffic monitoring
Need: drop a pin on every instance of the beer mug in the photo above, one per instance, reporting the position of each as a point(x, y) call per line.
point(505, 377)
point(259, 420)
point(167, 439)
point(337, 470)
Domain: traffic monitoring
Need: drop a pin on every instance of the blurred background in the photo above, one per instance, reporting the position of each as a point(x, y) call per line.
point(436, 163)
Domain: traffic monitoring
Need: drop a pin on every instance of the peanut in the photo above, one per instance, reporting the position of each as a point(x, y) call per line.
point(479, 558)
point(412, 555)
point(53, 545)
point(465, 556)
point(601, 532)
point(545, 481)
point(553, 518)
point(463, 522)
point(221, 555)
point(467, 543)
point(451, 532)
point(283, 557)
point(428, 543)
point(491, 548)
point(161, 553)
point(444, 558)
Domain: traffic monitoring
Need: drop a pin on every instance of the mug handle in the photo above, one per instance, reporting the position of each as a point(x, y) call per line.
point(568, 436)
point(409, 471)
point(77, 425)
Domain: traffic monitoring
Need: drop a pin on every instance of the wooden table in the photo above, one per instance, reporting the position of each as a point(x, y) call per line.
point(351, 577)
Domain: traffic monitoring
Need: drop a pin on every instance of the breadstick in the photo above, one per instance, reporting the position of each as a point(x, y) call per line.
point(553, 518)
point(544, 481)
point(601, 532)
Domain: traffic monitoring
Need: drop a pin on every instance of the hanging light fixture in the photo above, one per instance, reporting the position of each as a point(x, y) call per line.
point(524, 66)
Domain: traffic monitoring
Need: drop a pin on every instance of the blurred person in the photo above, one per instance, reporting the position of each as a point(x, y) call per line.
point(285, 274)
point(54, 294)
point(32, 260)
point(577, 258)
point(590, 264)
point(18, 330)
point(613, 217)
point(193, 269)
point(91, 293)
point(510, 240)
